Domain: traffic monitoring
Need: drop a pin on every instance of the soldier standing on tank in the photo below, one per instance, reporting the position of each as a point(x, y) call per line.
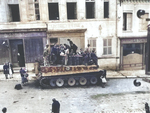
point(94, 58)
point(53, 54)
point(73, 47)
point(87, 55)
point(46, 54)
point(66, 49)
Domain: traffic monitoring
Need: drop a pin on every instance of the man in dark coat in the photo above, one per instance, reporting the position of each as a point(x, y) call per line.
point(73, 47)
point(94, 58)
point(4, 110)
point(55, 106)
point(147, 108)
point(23, 78)
point(6, 70)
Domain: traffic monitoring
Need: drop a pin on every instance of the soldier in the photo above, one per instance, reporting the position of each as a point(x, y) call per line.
point(73, 47)
point(66, 49)
point(87, 57)
point(88, 49)
point(94, 58)
point(46, 54)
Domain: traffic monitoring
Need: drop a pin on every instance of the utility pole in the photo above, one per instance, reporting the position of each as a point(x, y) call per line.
point(140, 13)
point(147, 71)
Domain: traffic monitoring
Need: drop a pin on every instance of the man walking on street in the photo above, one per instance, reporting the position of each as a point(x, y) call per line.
point(55, 106)
point(147, 108)
point(4, 110)
point(6, 70)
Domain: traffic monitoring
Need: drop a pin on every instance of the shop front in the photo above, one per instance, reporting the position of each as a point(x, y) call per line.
point(22, 46)
point(132, 53)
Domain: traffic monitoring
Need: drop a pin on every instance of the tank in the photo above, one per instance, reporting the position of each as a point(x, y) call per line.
point(64, 66)
point(70, 76)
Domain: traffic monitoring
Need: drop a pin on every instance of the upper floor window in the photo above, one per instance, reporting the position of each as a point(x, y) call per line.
point(92, 42)
point(53, 11)
point(90, 10)
point(71, 11)
point(143, 23)
point(14, 13)
point(106, 9)
point(37, 12)
point(127, 21)
point(107, 46)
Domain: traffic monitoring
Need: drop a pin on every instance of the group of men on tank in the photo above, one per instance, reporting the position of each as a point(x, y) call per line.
point(65, 54)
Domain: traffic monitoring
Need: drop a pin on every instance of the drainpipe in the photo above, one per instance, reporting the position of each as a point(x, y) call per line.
point(117, 35)
point(46, 31)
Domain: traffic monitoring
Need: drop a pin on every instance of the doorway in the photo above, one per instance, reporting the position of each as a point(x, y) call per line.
point(21, 52)
point(16, 46)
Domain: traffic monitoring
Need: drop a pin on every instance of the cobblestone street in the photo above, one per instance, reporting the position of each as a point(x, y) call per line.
point(119, 96)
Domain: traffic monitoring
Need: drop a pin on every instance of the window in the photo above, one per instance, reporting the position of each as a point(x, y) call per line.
point(92, 42)
point(106, 9)
point(37, 12)
point(71, 11)
point(53, 11)
point(53, 41)
point(14, 13)
point(107, 45)
point(143, 23)
point(127, 21)
point(90, 10)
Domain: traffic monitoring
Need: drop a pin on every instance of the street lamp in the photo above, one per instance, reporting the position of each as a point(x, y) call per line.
point(140, 13)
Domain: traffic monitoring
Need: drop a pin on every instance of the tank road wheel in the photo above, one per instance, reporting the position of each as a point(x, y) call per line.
point(71, 82)
point(59, 82)
point(53, 82)
point(44, 82)
point(93, 80)
point(82, 81)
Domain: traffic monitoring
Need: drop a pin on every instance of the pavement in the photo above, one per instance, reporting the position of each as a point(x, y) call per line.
point(110, 75)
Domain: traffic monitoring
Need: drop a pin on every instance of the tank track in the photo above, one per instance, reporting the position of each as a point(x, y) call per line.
point(72, 80)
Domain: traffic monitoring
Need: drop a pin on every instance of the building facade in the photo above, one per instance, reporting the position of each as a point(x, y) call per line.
point(110, 27)
point(132, 33)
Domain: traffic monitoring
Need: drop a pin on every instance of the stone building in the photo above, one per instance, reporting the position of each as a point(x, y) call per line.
point(132, 33)
point(26, 26)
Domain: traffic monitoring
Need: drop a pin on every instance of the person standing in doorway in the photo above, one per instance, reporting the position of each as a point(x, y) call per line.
point(19, 59)
point(11, 71)
point(6, 70)
point(55, 106)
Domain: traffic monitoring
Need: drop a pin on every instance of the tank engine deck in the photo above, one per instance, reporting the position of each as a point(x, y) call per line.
point(70, 76)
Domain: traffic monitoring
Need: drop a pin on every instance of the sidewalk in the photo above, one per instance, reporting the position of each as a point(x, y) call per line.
point(110, 75)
